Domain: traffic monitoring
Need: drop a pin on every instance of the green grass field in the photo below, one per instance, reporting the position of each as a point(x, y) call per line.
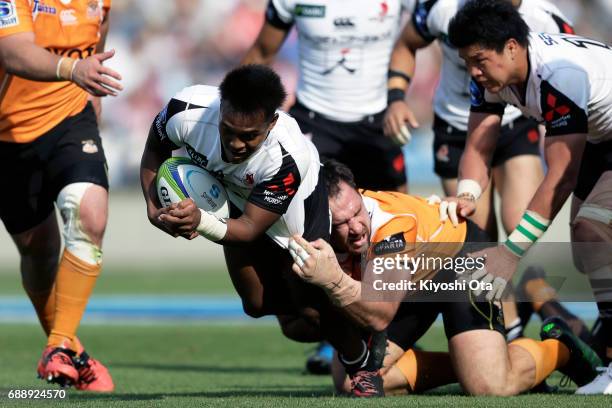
point(219, 365)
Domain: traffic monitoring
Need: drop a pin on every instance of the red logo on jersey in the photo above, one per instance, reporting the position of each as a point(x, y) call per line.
point(551, 101)
point(384, 9)
point(249, 179)
point(288, 183)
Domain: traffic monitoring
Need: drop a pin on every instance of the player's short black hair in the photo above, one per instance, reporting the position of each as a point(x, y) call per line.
point(489, 23)
point(333, 173)
point(251, 88)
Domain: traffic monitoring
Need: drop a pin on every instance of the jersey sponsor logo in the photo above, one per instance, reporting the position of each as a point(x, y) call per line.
point(340, 63)
point(344, 22)
point(547, 39)
point(309, 10)
point(196, 157)
point(561, 114)
point(94, 10)
point(8, 14)
point(40, 7)
point(68, 17)
point(288, 186)
point(73, 52)
point(394, 243)
point(249, 179)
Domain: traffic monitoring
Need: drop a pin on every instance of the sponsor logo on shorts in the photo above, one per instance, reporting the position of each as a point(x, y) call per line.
point(89, 146)
point(442, 154)
point(309, 10)
point(8, 14)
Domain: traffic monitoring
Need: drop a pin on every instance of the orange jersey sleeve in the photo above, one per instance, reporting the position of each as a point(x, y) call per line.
point(28, 109)
point(15, 17)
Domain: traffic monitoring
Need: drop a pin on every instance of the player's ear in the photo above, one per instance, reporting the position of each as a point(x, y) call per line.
point(272, 121)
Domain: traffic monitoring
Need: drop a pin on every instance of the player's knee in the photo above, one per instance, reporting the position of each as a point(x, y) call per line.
point(487, 386)
point(252, 309)
point(83, 208)
point(591, 225)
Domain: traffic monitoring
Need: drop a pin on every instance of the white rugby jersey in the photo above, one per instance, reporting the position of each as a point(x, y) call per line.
point(344, 52)
point(278, 177)
point(431, 19)
point(569, 88)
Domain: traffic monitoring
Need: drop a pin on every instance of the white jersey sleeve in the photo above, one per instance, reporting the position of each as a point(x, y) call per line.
point(174, 122)
point(427, 20)
point(564, 101)
point(279, 14)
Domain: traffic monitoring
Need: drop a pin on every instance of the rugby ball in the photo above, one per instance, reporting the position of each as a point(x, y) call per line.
point(178, 178)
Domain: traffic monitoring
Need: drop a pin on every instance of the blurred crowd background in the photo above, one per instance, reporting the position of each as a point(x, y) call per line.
point(163, 46)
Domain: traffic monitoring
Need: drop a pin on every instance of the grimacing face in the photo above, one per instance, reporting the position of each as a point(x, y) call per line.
point(242, 134)
point(491, 69)
point(350, 221)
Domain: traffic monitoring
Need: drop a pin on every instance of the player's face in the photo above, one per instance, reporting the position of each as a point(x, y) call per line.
point(350, 221)
point(491, 69)
point(242, 135)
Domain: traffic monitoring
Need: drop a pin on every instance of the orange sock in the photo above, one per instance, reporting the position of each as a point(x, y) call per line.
point(425, 369)
point(539, 292)
point(548, 355)
point(73, 286)
point(44, 304)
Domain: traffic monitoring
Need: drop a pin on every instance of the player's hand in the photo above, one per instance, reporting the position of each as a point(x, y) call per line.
point(154, 215)
point(314, 262)
point(398, 114)
point(182, 218)
point(453, 208)
point(500, 266)
point(93, 77)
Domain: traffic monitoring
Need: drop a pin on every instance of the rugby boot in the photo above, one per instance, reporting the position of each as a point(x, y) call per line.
point(319, 362)
point(56, 366)
point(583, 361)
point(93, 375)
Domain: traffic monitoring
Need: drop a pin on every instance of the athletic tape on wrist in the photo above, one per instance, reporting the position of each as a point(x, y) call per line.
point(529, 230)
point(57, 68)
point(211, 227)
point(469, 186)
point(344, 291)
point(394, 95)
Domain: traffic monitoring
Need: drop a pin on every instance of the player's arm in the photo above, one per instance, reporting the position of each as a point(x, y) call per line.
point(316, 263)
point(104, 26)
point(270, 38)
point(401, 71)
point(21, 56)
point(155, 153)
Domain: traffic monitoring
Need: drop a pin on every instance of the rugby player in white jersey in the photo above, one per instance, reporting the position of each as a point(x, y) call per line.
point(344, 51)
point(271, 173)
point(516, 165)
point(564, 82)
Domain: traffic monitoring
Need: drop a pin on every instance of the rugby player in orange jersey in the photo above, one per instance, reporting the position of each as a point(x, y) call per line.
point(382, 224)
point(51, 54)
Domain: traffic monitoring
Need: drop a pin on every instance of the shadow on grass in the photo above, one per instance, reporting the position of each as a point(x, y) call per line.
point(310, 392)
point(216, 369)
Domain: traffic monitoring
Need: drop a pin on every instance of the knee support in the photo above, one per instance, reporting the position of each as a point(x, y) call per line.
point(595, 258)
point(76, 239)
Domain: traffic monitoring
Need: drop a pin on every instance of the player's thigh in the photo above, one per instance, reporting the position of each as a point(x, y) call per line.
point(377, 162)
point(258, 272)
point(26, 204)
point(517, 180)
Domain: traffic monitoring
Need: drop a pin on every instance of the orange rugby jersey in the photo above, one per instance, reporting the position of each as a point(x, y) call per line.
point(396, 215)
point(69, 28)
